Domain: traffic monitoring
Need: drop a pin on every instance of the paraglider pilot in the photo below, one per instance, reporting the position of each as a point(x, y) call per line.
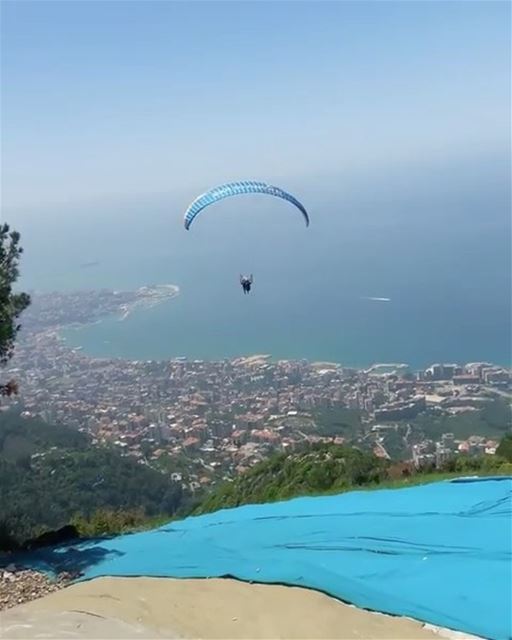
point(246, 283)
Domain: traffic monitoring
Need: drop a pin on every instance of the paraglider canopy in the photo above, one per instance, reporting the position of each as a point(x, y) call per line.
point(238, 188)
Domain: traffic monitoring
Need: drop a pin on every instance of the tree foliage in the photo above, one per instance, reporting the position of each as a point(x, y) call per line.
point(11, 304)
point(21, 437)
point(493, 420)
point(319, 469)
point(324, 469)
point(51, 475)
point(504, 449)
point(338, 421)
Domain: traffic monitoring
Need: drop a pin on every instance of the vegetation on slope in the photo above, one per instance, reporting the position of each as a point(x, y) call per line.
point(20, 438)
point(324, 469)
point(51, 476)
point(338, 421)
point(492, 421)
point(319, 469)
point(504, 449)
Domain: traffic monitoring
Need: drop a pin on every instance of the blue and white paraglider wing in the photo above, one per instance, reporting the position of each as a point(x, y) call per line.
point(238, 188)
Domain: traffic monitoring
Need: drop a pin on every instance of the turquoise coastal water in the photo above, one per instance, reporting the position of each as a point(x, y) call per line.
point(444, 265)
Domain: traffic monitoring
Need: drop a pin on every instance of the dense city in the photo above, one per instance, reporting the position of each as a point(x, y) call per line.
point(205, 421)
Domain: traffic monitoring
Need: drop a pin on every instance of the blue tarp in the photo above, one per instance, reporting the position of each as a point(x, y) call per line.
point(440, 553)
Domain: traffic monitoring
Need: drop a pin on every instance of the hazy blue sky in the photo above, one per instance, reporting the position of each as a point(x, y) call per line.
point(140, 97)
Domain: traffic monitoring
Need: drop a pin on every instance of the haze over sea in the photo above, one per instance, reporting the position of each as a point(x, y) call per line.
point(416, 236)
point(390, 121)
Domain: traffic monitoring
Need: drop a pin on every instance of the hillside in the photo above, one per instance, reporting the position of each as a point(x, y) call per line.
point(51, 475)
point(331, 468)
point(319, 469)
point(22, 437)
point(504, 449)
point(492, 421)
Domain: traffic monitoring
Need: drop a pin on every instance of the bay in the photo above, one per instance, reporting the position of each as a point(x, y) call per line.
point(442, 265)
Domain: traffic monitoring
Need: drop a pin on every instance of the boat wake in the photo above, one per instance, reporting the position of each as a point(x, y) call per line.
point(374, 299)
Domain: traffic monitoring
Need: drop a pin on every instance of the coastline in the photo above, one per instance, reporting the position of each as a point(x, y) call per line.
point(147, 297)
point(146, 300)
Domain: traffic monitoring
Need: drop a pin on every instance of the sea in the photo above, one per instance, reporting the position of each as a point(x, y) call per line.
point(405, 268)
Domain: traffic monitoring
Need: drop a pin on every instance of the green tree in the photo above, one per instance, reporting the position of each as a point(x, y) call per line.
point(504, 449)
point(11, 304)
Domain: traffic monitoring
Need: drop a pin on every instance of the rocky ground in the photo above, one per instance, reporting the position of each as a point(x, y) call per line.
point(19, 585)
